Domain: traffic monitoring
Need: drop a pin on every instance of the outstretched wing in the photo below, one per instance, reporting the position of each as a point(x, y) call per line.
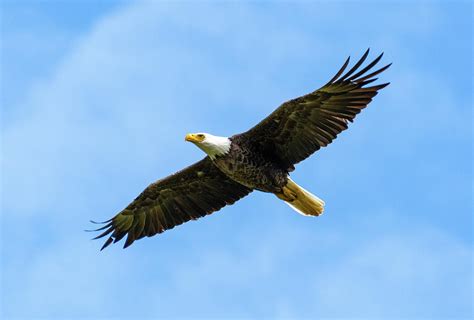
point(189, 194)
point(303, 125)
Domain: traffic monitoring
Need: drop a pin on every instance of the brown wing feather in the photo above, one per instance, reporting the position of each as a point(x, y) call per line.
point(301, 126)
point(186, 195)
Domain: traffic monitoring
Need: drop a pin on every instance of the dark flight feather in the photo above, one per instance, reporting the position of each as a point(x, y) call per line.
point(321, 115)
point(290, 134)
point(186, 195)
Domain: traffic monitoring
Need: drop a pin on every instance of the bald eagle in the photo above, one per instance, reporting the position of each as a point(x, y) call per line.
point(258, 159)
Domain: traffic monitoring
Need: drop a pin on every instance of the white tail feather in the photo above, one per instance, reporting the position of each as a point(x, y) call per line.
point(301, 200)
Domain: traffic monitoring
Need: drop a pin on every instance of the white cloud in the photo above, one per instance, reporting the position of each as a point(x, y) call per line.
point(414, 273)
point(417, 274)
point(109, 119)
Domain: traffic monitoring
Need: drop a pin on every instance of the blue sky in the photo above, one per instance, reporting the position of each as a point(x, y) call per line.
point(97, 97)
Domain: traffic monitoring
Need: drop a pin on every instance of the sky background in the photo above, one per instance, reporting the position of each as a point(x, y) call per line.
point(96, 98)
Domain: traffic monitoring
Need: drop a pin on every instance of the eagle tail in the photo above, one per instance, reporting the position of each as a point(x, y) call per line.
point(301, 200)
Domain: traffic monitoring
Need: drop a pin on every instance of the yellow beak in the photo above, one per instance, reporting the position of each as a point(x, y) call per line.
point(192, 137)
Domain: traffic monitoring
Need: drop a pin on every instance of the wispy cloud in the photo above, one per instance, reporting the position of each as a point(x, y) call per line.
point(111, 117)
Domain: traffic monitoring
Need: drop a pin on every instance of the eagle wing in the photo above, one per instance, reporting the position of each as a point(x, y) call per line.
point(189, 194)
point(301, 126)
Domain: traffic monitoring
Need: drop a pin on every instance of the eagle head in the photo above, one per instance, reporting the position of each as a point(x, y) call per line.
point(212, 145)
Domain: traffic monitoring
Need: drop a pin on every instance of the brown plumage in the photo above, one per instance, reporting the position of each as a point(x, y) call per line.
point(259, 159)
point(189, 194)
point(303, 125)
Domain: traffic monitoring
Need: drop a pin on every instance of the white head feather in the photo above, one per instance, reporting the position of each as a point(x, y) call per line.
point(212, 145)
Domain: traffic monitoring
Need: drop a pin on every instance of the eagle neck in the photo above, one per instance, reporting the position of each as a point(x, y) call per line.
point(216, 146)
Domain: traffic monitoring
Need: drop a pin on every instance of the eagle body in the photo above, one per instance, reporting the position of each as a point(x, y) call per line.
point(252, 167)
point(261, 158)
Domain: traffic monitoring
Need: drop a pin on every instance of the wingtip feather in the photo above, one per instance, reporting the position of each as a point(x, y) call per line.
point(95, 222)
point(103, 234)
point(107, 243)
point(356, 66)
point(341, 70)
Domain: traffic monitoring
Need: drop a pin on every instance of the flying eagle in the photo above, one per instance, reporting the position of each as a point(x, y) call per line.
point(259, 159)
